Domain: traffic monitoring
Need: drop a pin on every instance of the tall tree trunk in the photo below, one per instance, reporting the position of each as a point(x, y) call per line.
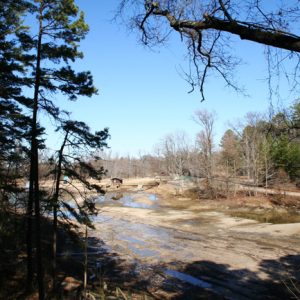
point(34, 177)
point(29, 227)
point(85, 263)
point(55, 208)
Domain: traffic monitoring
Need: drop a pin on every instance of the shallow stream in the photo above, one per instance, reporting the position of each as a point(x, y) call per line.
point(134, 200)
point(192, 248)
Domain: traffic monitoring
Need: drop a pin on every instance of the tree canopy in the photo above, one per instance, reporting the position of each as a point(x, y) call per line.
point(39, 39)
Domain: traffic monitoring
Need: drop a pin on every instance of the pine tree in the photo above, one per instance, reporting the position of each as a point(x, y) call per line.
point(14, 123)
point(77, 143)
point(60, 27)
point(14, 60)
point(38, 57)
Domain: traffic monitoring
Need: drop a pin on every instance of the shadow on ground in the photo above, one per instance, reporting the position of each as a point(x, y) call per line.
point(281, 282)
point(177, 280)
point(197, 280)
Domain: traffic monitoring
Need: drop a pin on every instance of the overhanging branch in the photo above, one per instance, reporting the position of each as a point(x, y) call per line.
point(245, 30)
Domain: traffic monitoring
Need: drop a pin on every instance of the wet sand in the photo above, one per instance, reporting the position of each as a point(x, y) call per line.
point(184, 249)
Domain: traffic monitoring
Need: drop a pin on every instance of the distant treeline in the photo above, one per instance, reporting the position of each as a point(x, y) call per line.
point(264, 150)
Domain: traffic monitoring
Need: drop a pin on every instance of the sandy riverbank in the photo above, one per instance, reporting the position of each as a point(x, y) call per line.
point(160, 229)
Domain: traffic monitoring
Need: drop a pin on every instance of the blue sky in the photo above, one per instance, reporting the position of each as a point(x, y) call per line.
point(141, 95)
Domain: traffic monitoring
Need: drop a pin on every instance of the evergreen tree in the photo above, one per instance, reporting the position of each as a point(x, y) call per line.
point(15, 44)
point(59, 29)
point(286, 156)
point(14, 124)
point(231, 151)
point(285, 150)
point(77, 143)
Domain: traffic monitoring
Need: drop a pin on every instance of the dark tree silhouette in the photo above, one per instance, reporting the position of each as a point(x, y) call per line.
point(78, 142)
point(14, 123)
point(54, 39)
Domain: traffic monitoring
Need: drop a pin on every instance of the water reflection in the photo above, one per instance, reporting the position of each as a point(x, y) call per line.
point(188, 278)
point(137, 200)
point(142, 252)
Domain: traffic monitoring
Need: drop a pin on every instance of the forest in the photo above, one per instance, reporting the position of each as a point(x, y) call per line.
point(49, 198)
point(261, 150)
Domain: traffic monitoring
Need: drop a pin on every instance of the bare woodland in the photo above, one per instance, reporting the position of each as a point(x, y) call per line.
point(255, 150)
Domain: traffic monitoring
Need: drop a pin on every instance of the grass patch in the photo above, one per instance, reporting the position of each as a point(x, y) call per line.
point(268, 216)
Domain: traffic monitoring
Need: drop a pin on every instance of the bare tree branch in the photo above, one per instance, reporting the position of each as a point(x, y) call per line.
point(207, 25)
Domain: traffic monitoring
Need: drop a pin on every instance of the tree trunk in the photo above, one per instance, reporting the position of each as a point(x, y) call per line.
point(55, 208)
point(29, 230)
point(34, 178)
point(85, 263)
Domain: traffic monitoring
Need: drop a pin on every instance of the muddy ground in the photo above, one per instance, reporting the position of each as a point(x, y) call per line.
point(160, 241)
point(177, 248)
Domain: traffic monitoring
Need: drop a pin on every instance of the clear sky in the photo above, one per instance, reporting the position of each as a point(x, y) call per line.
point(141, 95)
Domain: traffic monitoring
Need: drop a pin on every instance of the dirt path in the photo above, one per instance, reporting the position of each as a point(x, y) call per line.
point(184, 249)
